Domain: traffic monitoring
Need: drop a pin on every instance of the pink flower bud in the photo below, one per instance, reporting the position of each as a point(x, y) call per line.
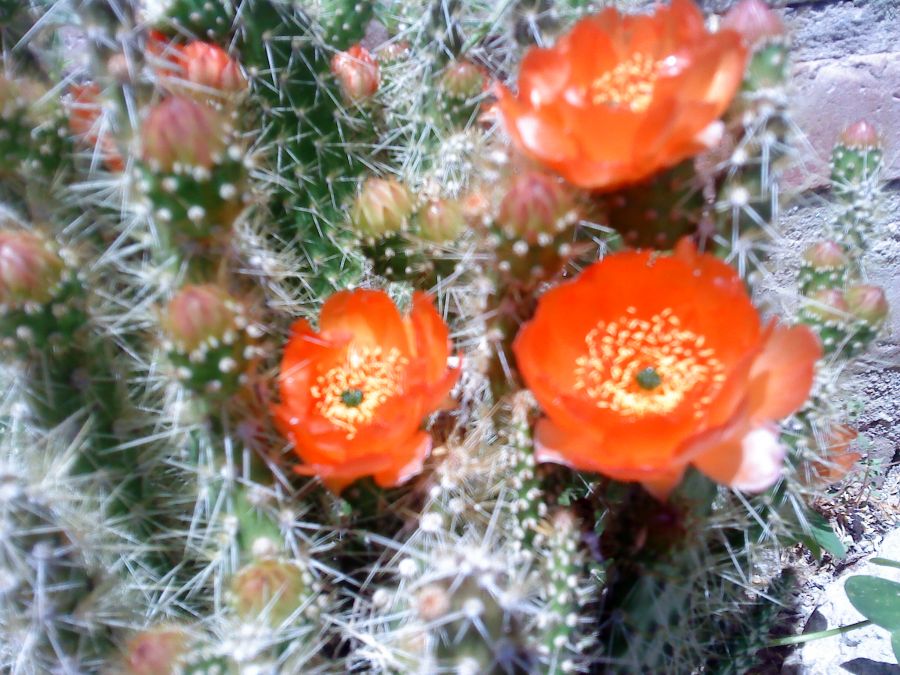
point(754, 21)
point(861, 135)
point(198, 313)
point(29, 268)
point(534, 203)
point(867, 303)
point(357, 73)
point(826, 255)
point(383, 206)
point(182, 131)
point(828, 304)
point(155, 651)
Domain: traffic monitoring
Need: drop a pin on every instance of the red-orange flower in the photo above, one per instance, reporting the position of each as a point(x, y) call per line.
point(354, 394)
point(646, 363)
point(621, 97)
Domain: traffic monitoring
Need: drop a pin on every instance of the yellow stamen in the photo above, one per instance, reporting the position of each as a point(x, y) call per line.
point(630, 84)
point(619, 351)
point(371, 372)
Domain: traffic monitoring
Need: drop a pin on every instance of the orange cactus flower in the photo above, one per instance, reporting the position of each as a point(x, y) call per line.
point(354, 394)
point(646, 363)
point(85, 113)
point(621, 97)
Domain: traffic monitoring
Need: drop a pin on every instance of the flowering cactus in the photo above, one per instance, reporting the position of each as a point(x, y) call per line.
point(361, 337)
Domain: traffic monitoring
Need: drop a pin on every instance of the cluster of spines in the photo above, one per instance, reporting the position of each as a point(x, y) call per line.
point(763, 131)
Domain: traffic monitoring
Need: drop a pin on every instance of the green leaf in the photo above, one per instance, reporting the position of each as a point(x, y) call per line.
point(884, 562)
point(895, 644)
point(819, 535)
point(876, 599)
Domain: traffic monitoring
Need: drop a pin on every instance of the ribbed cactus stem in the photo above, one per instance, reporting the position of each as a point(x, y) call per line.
point(528, 503)
point(856, 167)
point(561, 645)
point(748, 195)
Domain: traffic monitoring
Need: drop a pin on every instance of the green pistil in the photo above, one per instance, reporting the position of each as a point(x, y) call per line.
point(352, 397)
point(648, 379)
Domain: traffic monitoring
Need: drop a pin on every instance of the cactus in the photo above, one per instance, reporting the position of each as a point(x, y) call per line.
point(281, 393)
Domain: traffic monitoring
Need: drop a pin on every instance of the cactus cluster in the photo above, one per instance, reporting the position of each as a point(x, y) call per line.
point(282, 298)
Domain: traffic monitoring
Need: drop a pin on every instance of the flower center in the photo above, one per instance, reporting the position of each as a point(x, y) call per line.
point(640, 367)
point(629, 84)
point(349, 394)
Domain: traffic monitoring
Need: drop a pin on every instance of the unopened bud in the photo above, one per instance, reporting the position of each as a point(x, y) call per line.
point(267, 588)
point(182, 131)
point(441, 220)
point(383, 206)
point(210, 66)
point(828, 304)
point(463, 80)
point(357, 72)
point(867, 303)
point(30, 269)
point(197, 314)
point(534, 203)
point(826, 255)
point(861, 135)
point(754, 21)
point(156, 651)
point(393, 52)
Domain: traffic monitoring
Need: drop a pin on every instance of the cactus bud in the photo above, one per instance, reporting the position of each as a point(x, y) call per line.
point(357, 72)
point(210, 66)
point(271, 588)
point(862, 135)
point(382, 207)
point(828, 304)
point(30, 270)
point(462, 80)
point(856, 162)
point(867, 303)
point(825, 255)
point(825, 265)
point(393, 52)
point(209, 340)
point(754, 21)
point(182, 131)
point(155, 651)
point(197, 315)
point(534, 203)
point(441, 220)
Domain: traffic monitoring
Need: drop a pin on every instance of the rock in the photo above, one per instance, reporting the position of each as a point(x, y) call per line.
point(832, 93)
point(865, 651)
